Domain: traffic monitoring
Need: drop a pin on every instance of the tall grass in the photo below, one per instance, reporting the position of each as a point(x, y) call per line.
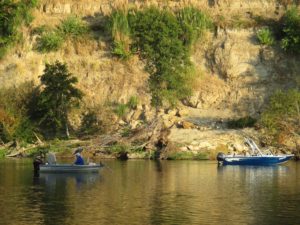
point(50, 41)
point(120, 32)
point(53, 39)
point(265, 37)
point(194, 22)
point(73, 27)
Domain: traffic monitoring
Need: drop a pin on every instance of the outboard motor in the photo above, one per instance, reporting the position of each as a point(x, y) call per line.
point(220, 157)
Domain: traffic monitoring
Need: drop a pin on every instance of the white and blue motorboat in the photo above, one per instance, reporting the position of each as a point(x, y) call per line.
point(256, 157)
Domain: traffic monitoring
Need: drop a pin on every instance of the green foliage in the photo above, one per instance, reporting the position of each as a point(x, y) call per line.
point(121, 109)
point(13, 14)
point(247, 121)
point(58, 97)
point(157, 35)
point(282, 110)
point(120, 33)
point(50, 41)
point(291, 30)
point(194, 23)
point(133, 102)
point(2, 153)
point(73, 27)
point(90, 123)
point(119, 148)
point(163, 39)
point(14, 111)
point(25, 131)
point(187, 156)
point(265, 36)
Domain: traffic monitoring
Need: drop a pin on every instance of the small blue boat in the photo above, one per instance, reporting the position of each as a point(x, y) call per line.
point(257, 157)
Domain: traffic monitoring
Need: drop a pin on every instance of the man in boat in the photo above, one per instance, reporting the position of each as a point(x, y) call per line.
point(79, 160)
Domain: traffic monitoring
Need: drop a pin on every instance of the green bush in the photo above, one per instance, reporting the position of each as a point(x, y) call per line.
point(157, 36)
point(265, 36)
point(73, 27)
point(50, 41)
point(247, 121)
point(282, 112)
point(90, 123)
point(121, 50)
point(118, 148)
point(13, 14)
point(24, 132)
point(291, 30)
point(14, 113)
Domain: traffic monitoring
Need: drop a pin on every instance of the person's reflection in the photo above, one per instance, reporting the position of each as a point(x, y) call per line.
point(158, 166)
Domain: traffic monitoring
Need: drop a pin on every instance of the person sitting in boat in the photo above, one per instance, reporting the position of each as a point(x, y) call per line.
point(79, 160)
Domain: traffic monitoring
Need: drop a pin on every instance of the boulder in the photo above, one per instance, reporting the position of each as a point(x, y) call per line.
point(187, 125)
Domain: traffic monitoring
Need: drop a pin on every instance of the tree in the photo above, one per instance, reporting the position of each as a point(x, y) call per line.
point(58, 97)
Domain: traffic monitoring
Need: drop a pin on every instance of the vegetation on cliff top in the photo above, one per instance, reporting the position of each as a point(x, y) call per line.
point(163, 39)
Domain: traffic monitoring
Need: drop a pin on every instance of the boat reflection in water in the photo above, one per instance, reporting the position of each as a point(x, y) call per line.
point(80, 179)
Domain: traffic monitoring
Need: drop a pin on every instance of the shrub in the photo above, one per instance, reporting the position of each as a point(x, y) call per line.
point(247, 121)
point(157, 35)
point(50, 41)
point(265, 36)
point(90, 123)
point(282, 112)
point(13, 14)
point(14, 112)
point(291, 30)
point(118, 148)
point(25, 131)
point(73, 27)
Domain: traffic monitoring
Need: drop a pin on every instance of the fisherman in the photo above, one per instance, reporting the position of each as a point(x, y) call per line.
point(79, 160)
point(36, 164)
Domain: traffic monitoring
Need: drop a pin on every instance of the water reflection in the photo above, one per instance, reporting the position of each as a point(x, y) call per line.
point(80, 179)
point(152, 192)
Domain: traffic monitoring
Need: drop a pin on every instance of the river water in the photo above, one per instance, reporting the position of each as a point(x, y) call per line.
point(151, 192)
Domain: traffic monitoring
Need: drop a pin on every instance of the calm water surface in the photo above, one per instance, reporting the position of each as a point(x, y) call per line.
point(149, 192)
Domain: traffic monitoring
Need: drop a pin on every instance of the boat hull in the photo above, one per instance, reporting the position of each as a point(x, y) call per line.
point(69, 168)
point(255, 160)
